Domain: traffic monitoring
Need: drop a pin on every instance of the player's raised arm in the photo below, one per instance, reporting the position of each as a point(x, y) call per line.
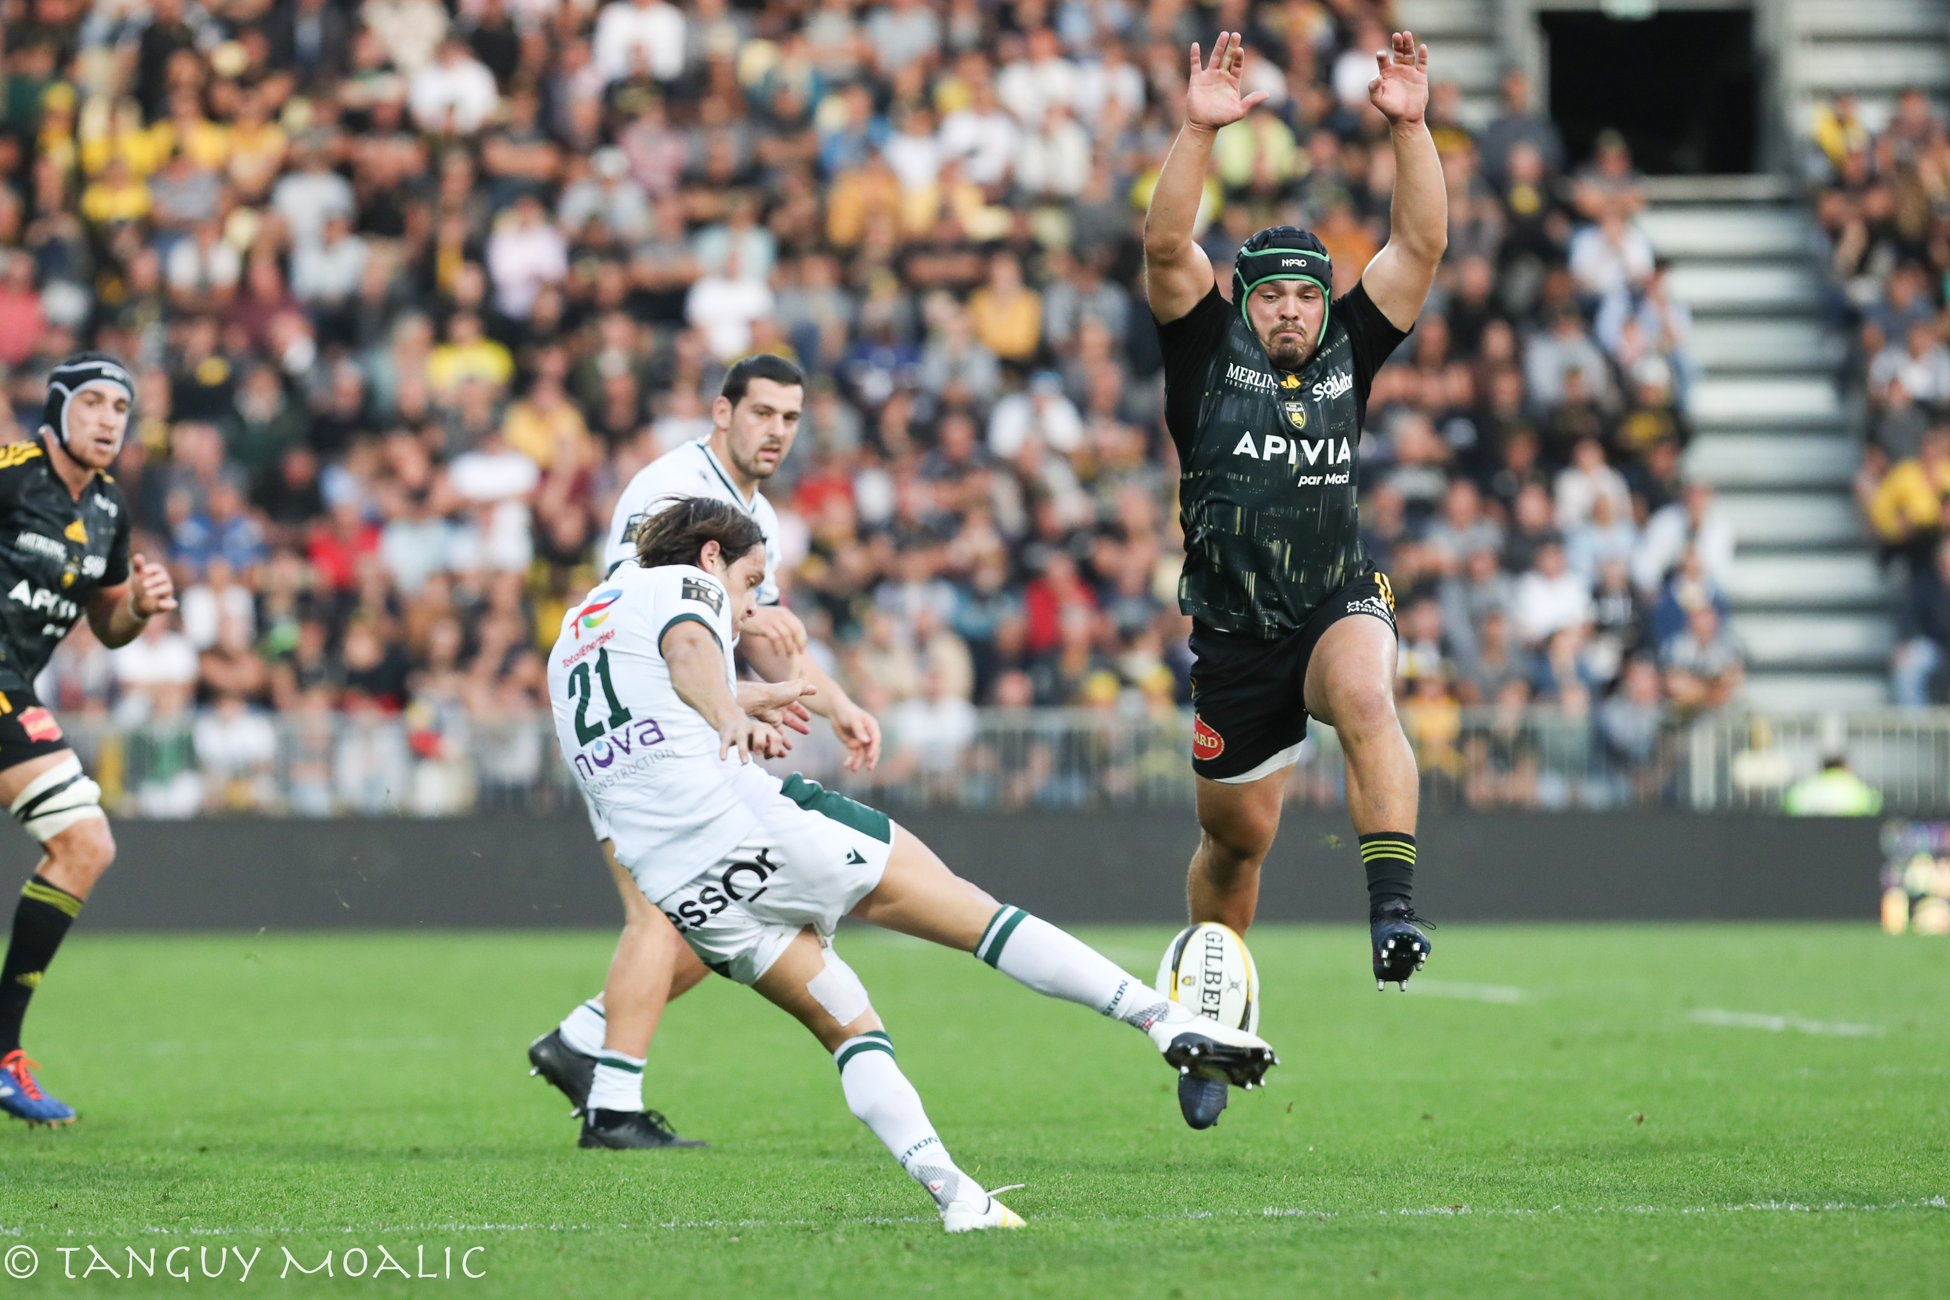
point(856, 728)
point(1177, 274)
point(1398, 279)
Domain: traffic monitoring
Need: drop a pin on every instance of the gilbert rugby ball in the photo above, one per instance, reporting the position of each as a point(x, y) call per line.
point(1208, 969)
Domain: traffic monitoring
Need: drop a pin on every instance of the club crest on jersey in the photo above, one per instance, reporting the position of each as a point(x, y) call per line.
point(1206, 743)
point(1296, 414)
point(704, 592)
point(596, 612)
point(1334, 385)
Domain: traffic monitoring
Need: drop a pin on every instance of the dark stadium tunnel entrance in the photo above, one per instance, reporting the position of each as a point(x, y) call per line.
point(1683, 86)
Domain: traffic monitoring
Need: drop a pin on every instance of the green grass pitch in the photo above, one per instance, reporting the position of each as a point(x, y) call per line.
point(1556, 1111)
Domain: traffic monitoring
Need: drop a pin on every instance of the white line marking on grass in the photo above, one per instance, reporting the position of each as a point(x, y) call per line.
point(1780, 1024)
point(1269, 1212)
point(1468, 992)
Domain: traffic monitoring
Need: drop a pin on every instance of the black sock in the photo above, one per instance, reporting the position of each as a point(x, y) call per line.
point(1389, 857)
point(41, 920)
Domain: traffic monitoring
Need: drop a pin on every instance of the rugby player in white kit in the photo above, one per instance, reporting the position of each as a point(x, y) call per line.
point(597, 1054)
point(755, 872)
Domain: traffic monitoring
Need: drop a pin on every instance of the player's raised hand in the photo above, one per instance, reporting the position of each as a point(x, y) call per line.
point(779, 627)
point(150, 590)
point(1400, 88)
point(780, 703)
point(1212, 98)
point(859, 731)
point(751, 738)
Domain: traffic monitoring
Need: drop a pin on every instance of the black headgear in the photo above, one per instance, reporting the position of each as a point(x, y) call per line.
point(1282, 253)
point(75, 374)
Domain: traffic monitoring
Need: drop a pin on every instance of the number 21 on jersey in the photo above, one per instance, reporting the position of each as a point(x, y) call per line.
point(580, 690)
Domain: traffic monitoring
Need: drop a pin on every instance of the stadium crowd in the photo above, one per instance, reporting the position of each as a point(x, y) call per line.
point(412, 290)
point(1884, 211)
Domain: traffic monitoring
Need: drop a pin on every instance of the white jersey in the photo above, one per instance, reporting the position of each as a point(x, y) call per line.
point(692, 470)
point(646, 761)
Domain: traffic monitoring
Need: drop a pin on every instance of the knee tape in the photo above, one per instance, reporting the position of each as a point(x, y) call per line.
point(57, 799)
point(839, 990)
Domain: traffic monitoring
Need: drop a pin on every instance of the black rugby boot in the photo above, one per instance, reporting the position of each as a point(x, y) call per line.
point(1401, 947)
point(563, 1066)
point(624, 1130)
point(1201, 1100)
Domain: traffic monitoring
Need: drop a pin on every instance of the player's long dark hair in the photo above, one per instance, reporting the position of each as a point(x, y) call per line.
point(682, 525)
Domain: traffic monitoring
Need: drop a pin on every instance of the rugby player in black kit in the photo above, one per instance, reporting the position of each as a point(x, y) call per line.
point(64, 552)
point(1265, 395)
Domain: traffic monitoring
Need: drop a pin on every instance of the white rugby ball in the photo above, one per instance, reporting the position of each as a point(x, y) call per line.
point(1208, 969)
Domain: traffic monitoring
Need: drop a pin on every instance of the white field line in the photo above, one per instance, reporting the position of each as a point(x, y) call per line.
point(1269, 1212)
point(1781, 1024)
point(1468, 992)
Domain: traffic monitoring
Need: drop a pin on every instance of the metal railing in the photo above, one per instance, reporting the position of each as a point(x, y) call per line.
point(321, 765)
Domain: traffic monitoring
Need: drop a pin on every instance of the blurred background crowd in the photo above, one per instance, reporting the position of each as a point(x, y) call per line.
point(1884, 211)
point(413, 289)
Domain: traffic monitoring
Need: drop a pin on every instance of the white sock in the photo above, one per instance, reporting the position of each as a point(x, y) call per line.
point(880, 1097)
point(583, 1028)
point(619, 1083)
point(1059, 965)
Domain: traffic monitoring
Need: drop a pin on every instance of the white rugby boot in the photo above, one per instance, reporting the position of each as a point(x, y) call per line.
point(979, 1215)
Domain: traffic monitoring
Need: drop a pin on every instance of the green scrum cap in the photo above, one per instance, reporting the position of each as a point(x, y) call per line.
point(1282, 253)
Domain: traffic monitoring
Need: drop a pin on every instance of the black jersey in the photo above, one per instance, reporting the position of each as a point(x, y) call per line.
point(55, 554)
point(1267, 492)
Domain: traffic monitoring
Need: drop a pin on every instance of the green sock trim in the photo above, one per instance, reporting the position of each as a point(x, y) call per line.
point(873, 1041)
point(623, 1063)
point(998, 938)
point(592, 1005)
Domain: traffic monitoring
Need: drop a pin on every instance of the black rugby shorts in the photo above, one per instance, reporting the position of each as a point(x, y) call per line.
point(1249, 694)
point(27, 729)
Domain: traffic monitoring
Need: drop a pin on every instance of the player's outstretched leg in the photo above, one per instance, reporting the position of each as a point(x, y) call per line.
point(918, 895)
point(809, 980)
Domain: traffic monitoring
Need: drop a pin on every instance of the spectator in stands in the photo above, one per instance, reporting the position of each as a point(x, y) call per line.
point(1907, 506)
point(1705, 664)
point(1518, 123)
point(1695, 522)
point(1550, 598)
point(1923, 634)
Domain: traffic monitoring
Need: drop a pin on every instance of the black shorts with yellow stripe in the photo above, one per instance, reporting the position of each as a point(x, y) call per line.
point(1249, 695)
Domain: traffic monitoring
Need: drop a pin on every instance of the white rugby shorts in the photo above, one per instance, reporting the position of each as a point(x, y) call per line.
point(810, 859)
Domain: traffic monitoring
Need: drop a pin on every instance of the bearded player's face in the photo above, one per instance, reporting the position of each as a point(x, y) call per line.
point(760, 429)
point(1287, 316)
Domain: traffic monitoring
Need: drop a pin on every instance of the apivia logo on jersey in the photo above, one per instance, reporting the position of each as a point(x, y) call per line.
point(1326, 452)
point(57, 606)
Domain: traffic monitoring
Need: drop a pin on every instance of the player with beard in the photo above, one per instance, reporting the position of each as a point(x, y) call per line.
point(66, 555)
point(596, 1055)
point(1265, 395)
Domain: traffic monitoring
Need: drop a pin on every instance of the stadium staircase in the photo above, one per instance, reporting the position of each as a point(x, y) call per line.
point(1774, 438)
point(1775, 434)
point(1877, 48)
